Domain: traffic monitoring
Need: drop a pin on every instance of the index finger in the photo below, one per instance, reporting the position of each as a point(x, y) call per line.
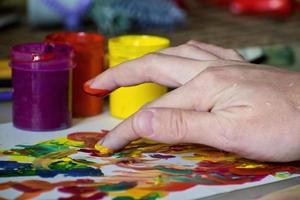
point(168, 70)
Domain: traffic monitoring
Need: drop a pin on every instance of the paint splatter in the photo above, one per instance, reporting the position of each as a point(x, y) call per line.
point(162, 156)
point(142, 170)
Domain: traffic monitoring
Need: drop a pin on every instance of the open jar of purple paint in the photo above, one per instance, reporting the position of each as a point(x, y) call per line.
point(41, 76)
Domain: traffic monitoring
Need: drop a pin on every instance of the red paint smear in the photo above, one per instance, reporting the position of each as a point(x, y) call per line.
point(6, 185)
point(174, 186)
point(96, 196)
point(77, 190)
point(176, 148)
point(89, 138)
point(262, 171)
point(95, 92)
point(94, 153)
point(29, 195)
point(72, 183)
point(230, 181)
point(25, 188)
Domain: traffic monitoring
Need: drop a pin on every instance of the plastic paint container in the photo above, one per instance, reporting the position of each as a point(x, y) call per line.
point(127, 100)
point(89, 57)
point(41, 76)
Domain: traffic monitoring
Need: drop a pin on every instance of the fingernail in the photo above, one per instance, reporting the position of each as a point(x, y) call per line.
point(95, 92)
point(145, 122)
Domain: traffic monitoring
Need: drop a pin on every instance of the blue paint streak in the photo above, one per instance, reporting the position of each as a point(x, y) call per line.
point(14, 169)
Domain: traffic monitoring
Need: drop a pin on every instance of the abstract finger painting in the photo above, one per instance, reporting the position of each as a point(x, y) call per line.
point(70, 168)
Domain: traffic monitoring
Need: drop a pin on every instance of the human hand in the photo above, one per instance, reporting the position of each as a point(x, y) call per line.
point(222, 102)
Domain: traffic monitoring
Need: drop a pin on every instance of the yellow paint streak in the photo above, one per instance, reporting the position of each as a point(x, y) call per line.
point(158, 180)
point(46, 160)
point(251, 165)
point(66, 142)
point(137, 193)
point(25, 159)
point(103, 150)
point(213, 159)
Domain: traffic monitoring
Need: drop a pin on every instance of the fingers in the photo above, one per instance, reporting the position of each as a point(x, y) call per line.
point(124, 133)
point(167, 125)
point(172, 67)
point(190, 51)
point(188, 98)
point(227, 54)
point(168, 70)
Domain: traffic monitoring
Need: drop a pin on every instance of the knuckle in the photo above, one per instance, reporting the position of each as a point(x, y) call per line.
point(187, 48)
point(233, 53)
point(194, 43)
point(178, 125)
point(151, 62)
point(213, 74)
point(151, 59)
point(152, 56)
point(225, 74)
point(134, 129)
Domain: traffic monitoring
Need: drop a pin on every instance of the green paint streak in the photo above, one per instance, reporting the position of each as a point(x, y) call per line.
point(38, 150)
point(127, 154)
point(151, 196)
point(117, 187)
point(282, 174)
point(185, 179)
point(65, 165)
point(42, 148)
point(123, 198)
point(174, 171)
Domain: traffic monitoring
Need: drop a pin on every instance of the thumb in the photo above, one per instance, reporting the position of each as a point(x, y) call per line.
point(170, 125)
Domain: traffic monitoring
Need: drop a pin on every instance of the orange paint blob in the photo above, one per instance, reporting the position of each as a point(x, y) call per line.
point(89, 138)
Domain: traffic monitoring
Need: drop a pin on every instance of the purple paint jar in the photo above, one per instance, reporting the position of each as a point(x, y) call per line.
point(41, 76)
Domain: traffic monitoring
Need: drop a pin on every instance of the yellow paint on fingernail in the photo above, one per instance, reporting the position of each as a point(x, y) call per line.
point(103, 150)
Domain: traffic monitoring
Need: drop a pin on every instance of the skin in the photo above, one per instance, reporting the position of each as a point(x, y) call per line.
point(219, 100)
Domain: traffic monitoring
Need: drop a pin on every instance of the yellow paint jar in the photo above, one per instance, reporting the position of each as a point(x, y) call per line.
point(127, 100)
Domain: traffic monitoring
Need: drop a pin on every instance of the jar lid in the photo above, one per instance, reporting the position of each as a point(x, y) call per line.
point(76, 39)
point(42, 57)
point(136, 45)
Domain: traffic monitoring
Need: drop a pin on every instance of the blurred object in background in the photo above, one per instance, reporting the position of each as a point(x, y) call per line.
point(10, 13)
point(267, 7)
point(114, 17)
point(277, 8)
point(282, 56)
point(9, 20)
point(43, 13)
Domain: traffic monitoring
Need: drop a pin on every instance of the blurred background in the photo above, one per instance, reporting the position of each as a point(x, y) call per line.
point(229, 23)
point(264, 31)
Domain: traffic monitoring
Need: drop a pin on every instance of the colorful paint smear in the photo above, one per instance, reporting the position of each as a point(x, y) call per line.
point(142, 170)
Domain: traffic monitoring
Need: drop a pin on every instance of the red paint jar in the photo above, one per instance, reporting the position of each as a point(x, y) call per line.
point(89, 57)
